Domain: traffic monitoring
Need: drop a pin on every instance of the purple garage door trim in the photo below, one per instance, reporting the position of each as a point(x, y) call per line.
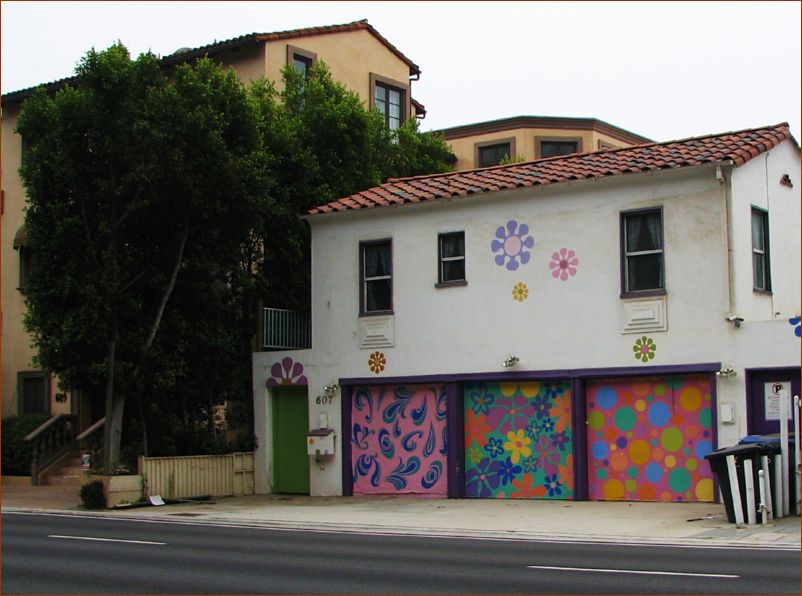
point(538, 375)
point(579, 376)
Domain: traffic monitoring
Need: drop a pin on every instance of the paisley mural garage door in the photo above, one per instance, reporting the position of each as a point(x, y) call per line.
point(398, 440)
point(647, 439)
point(519, 440)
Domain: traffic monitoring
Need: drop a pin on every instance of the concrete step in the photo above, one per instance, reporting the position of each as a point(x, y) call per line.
point(63, 480)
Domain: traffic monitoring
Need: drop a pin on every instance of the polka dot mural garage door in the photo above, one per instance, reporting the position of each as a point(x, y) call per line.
point(647, 439)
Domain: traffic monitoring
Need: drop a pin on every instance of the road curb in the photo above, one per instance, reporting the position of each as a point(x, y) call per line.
point(390, 530)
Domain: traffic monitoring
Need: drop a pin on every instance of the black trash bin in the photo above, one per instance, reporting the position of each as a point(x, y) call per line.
point(718, 463)
point(770, 446)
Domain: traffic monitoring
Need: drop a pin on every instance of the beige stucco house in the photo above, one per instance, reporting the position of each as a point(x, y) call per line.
point(525, 138)
point(357, 55)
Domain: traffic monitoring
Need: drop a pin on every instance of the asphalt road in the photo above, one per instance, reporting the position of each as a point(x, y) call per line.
point(67, 554)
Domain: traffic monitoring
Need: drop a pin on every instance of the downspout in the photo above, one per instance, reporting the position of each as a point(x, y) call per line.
point(726, 197)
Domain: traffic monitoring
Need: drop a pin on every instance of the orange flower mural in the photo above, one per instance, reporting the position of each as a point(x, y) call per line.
point(476, 428)
point(561, 412)
point(525, 490)
point(567, 472)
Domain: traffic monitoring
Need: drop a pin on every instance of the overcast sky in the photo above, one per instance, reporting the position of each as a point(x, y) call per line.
point(665, 70)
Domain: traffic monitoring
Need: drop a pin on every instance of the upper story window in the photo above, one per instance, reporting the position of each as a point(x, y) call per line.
point(642, 252)
point(21, 245)
point(300, 59)
point(491, 155)
point(389, 103)
point(760, 250)
point(554, 146)
point(451, 258)
point(376, 277)
point(34, 392)
point(389, 98)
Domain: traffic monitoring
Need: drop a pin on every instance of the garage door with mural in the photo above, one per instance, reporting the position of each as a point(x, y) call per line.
point(398, 440)
point(519, 440)
point(647, 439)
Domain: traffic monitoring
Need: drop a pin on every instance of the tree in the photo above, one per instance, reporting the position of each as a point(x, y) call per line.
point(132, 179)
point(162, 210)
point(323, 144)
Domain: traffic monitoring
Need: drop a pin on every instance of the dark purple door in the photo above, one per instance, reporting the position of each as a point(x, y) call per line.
point(765, 388)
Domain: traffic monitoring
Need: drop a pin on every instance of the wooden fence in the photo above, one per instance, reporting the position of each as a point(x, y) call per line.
point(198, 475)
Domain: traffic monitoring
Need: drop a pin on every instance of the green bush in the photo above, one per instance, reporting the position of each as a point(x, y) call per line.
point(16, 453)
point(92, 495)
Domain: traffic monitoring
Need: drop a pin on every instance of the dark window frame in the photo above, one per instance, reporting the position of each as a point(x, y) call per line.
point(309, 58)
point(540, 140)
point(624, 254)
point(441, 282)
point(484, 145)
point(21, 377)
point(765, 252)
point(24, 266)
point(363, 311)
point(377, 80)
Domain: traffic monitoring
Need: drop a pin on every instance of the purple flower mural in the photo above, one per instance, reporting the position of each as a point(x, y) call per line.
point(513, 243)
point(563, 264)
point(287, 372)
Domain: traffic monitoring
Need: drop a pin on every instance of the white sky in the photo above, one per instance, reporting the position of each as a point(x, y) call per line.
point(665, 70)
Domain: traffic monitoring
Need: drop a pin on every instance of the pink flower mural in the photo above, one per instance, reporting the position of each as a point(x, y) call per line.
point(287, 372)
point(563, 264)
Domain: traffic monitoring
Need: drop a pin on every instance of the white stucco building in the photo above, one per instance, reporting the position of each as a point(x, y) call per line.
point(581, 327)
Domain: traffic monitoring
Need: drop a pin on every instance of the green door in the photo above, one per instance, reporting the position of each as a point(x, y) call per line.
point(290, 425)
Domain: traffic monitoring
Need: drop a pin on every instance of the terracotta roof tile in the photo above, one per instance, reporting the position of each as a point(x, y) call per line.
point(737, 147)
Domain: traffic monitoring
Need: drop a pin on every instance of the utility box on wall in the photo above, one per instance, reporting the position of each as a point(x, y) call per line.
point(320, 441)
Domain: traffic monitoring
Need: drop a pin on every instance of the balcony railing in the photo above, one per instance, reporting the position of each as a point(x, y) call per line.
point(286, 329)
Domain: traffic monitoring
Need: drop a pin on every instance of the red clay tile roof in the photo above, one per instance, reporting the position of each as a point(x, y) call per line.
point(736, 147)
point(185, 55)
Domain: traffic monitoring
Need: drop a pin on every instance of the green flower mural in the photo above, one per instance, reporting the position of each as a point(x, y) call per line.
point(644, 349)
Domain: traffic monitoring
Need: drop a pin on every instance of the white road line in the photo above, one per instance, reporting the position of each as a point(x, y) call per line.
point(633, 571)
point(265, 525)
point(106, 539)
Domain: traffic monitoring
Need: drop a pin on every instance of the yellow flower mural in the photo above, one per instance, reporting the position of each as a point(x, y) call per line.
point(518, 445)
point(520, 292)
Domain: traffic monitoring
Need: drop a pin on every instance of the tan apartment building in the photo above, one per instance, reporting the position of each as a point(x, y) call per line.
point(357, 55)
point(526, 138)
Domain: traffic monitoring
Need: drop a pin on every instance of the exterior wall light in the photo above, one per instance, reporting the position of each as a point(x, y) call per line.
point(510, 362)
point(735, 320)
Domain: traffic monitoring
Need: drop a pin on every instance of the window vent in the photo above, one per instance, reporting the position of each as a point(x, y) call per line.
point(377, 332)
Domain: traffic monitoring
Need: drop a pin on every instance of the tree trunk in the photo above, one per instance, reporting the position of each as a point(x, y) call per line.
point(110, 453)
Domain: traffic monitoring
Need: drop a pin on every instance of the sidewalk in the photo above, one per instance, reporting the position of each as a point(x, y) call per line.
point(647, 523)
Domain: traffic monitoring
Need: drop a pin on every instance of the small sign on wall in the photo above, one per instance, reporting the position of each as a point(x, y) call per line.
point(772, 394)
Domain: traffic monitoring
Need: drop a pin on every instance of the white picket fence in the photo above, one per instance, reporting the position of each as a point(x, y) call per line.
point(198, 475)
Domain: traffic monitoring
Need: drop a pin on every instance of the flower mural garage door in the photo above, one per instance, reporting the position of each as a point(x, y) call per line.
point(398, 440)
point(518, 440)
point(647, 439)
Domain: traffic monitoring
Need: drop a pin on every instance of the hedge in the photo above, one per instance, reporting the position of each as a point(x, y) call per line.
point(16, 454)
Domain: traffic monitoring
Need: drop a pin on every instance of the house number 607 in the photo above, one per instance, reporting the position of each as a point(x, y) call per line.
point(324, 399)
